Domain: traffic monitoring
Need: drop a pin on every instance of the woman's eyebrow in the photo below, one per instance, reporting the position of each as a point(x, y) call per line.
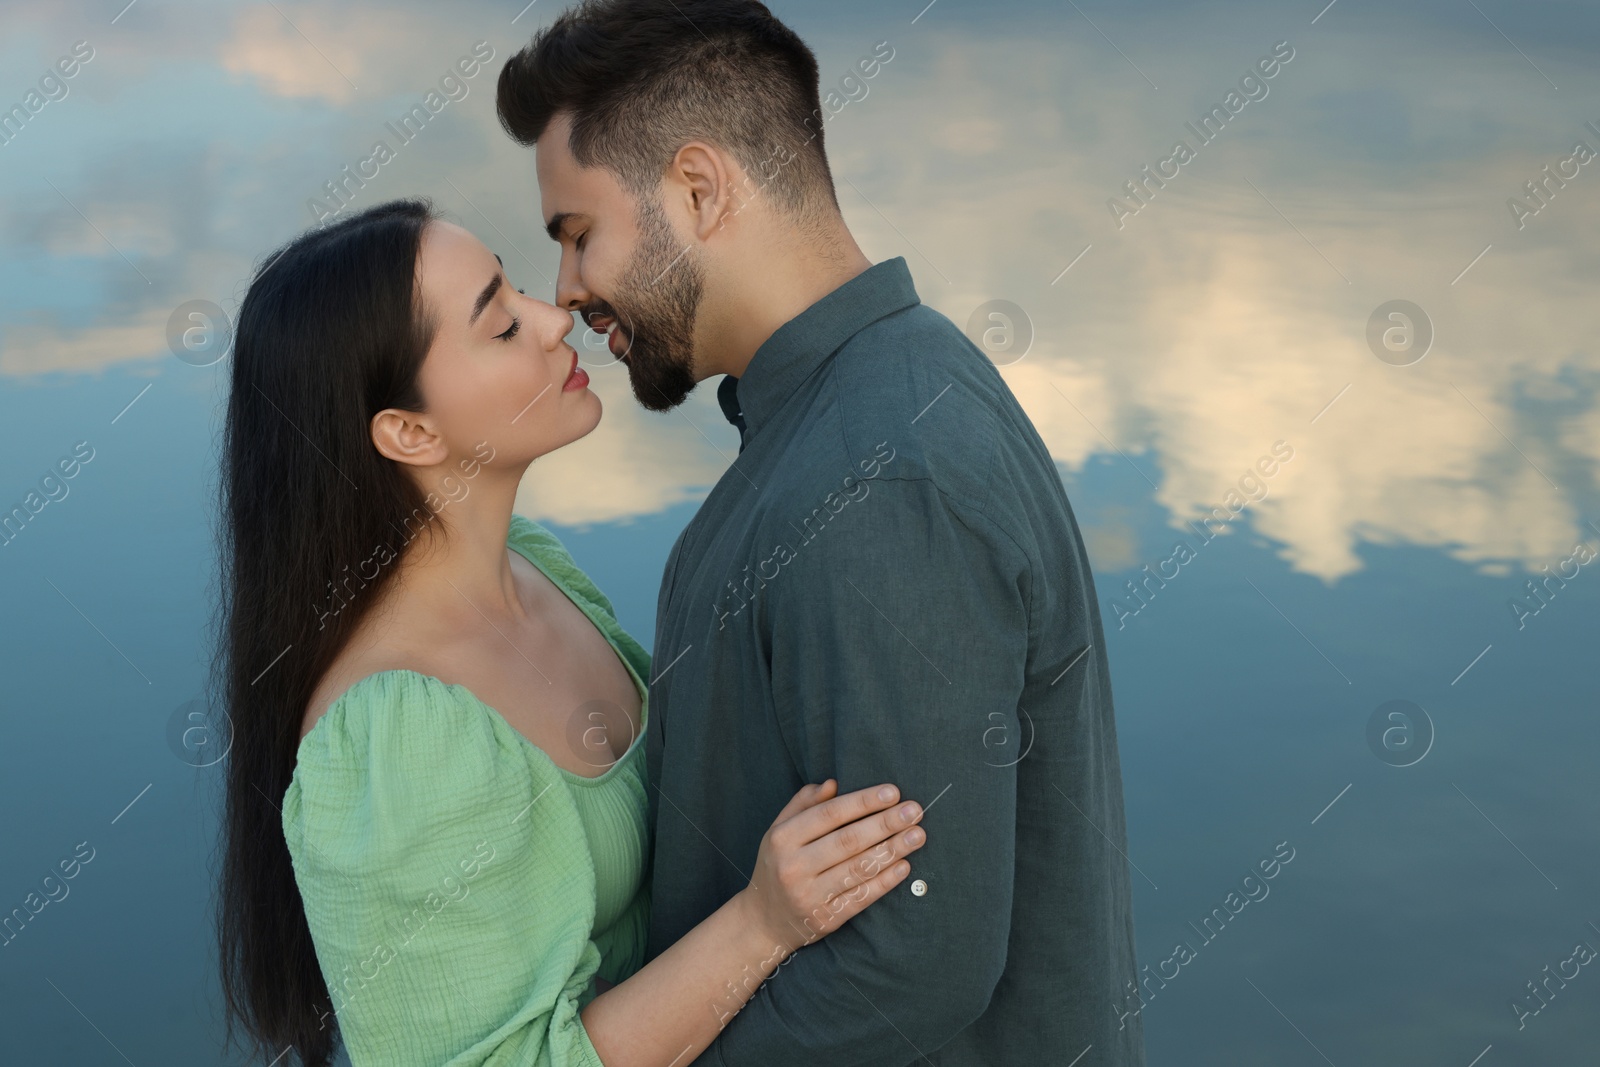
point(488, 292)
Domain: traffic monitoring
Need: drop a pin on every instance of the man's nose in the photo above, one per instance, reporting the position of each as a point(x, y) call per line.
point(571, 293)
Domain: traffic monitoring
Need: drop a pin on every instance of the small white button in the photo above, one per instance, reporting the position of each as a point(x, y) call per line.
point(919, 888)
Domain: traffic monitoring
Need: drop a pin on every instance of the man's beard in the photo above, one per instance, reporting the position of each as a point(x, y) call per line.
point(656, 300)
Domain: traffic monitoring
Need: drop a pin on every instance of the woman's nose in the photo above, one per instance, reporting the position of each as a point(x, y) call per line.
point(553, 323)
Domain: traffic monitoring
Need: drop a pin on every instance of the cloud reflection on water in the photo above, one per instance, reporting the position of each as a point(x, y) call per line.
point(1206, 328)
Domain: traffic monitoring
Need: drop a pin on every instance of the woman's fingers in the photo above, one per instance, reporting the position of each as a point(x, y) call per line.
point(807, 796)
point(822, 819)
point(861, 835)
point(805, 883)
point(845, 877)
point(845, 906)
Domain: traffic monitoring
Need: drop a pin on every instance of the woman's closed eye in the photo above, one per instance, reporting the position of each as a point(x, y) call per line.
point(511, 331)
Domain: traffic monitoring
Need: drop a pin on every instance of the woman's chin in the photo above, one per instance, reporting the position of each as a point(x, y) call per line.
point(580, 415)
point(590, 400)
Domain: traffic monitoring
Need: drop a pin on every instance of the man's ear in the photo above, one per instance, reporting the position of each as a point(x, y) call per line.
point(700, 180)
point(408, 437)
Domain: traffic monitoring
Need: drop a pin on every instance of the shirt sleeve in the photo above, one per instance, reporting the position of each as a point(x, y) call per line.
point(443, 882)
point(898, 644)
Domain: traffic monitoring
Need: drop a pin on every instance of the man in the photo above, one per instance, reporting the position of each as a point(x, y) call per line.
point(888, 583)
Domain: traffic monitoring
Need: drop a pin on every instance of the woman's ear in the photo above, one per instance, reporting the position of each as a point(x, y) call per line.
point(408, 437)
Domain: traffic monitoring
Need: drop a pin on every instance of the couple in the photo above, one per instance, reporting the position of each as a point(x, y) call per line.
point(863, 806)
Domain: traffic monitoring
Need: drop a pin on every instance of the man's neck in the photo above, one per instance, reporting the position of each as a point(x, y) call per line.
point(786, 286)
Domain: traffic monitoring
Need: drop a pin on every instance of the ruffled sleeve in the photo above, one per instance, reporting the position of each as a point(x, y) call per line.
point(446, 881)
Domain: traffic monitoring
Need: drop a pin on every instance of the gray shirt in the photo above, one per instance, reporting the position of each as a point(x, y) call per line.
point(888, 584)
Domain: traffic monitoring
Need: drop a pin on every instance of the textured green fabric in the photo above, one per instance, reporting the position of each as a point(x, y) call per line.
point(452, 874)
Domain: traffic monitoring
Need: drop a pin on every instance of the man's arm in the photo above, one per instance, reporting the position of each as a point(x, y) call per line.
point(899, 637)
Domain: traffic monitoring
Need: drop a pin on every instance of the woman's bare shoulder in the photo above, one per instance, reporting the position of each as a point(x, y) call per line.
point(336, 681)
point(378, 645)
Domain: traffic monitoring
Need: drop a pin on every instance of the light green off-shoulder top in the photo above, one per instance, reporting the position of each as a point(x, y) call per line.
point(462, 890)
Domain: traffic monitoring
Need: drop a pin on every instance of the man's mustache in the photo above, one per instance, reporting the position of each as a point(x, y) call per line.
point(599, 309)
point(603, 312)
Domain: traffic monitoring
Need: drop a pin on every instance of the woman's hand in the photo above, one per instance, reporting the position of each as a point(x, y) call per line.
point(826, 858)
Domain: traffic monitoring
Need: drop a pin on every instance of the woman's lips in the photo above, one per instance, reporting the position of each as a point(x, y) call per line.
point(576, 378)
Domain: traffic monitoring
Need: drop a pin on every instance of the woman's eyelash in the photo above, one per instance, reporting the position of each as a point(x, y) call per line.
point(511, 331)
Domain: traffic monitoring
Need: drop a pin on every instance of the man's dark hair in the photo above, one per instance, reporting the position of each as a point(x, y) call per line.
point(640, 78)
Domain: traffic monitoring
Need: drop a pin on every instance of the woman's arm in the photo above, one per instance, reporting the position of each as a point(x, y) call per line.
point(823, 860)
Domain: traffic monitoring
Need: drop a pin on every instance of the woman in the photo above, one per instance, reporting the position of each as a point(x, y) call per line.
point(420, 854)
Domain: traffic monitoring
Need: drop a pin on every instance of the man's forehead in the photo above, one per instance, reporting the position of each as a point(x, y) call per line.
point(553, 149)
point(570, 193)
point(559, 173)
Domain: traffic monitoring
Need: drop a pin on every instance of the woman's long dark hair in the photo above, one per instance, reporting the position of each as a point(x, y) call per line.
point(331, 331)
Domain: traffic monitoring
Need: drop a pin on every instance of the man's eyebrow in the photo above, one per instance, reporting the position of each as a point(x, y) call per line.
point(485, 296)
point(559, 219)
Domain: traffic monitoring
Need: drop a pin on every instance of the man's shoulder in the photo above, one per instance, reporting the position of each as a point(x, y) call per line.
point(913, 382)
point(890, 364)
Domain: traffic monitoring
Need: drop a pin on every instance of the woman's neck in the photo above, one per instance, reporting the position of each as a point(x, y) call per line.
point(458, 570)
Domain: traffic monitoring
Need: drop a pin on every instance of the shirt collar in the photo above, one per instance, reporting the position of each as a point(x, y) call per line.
point(804, 343)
